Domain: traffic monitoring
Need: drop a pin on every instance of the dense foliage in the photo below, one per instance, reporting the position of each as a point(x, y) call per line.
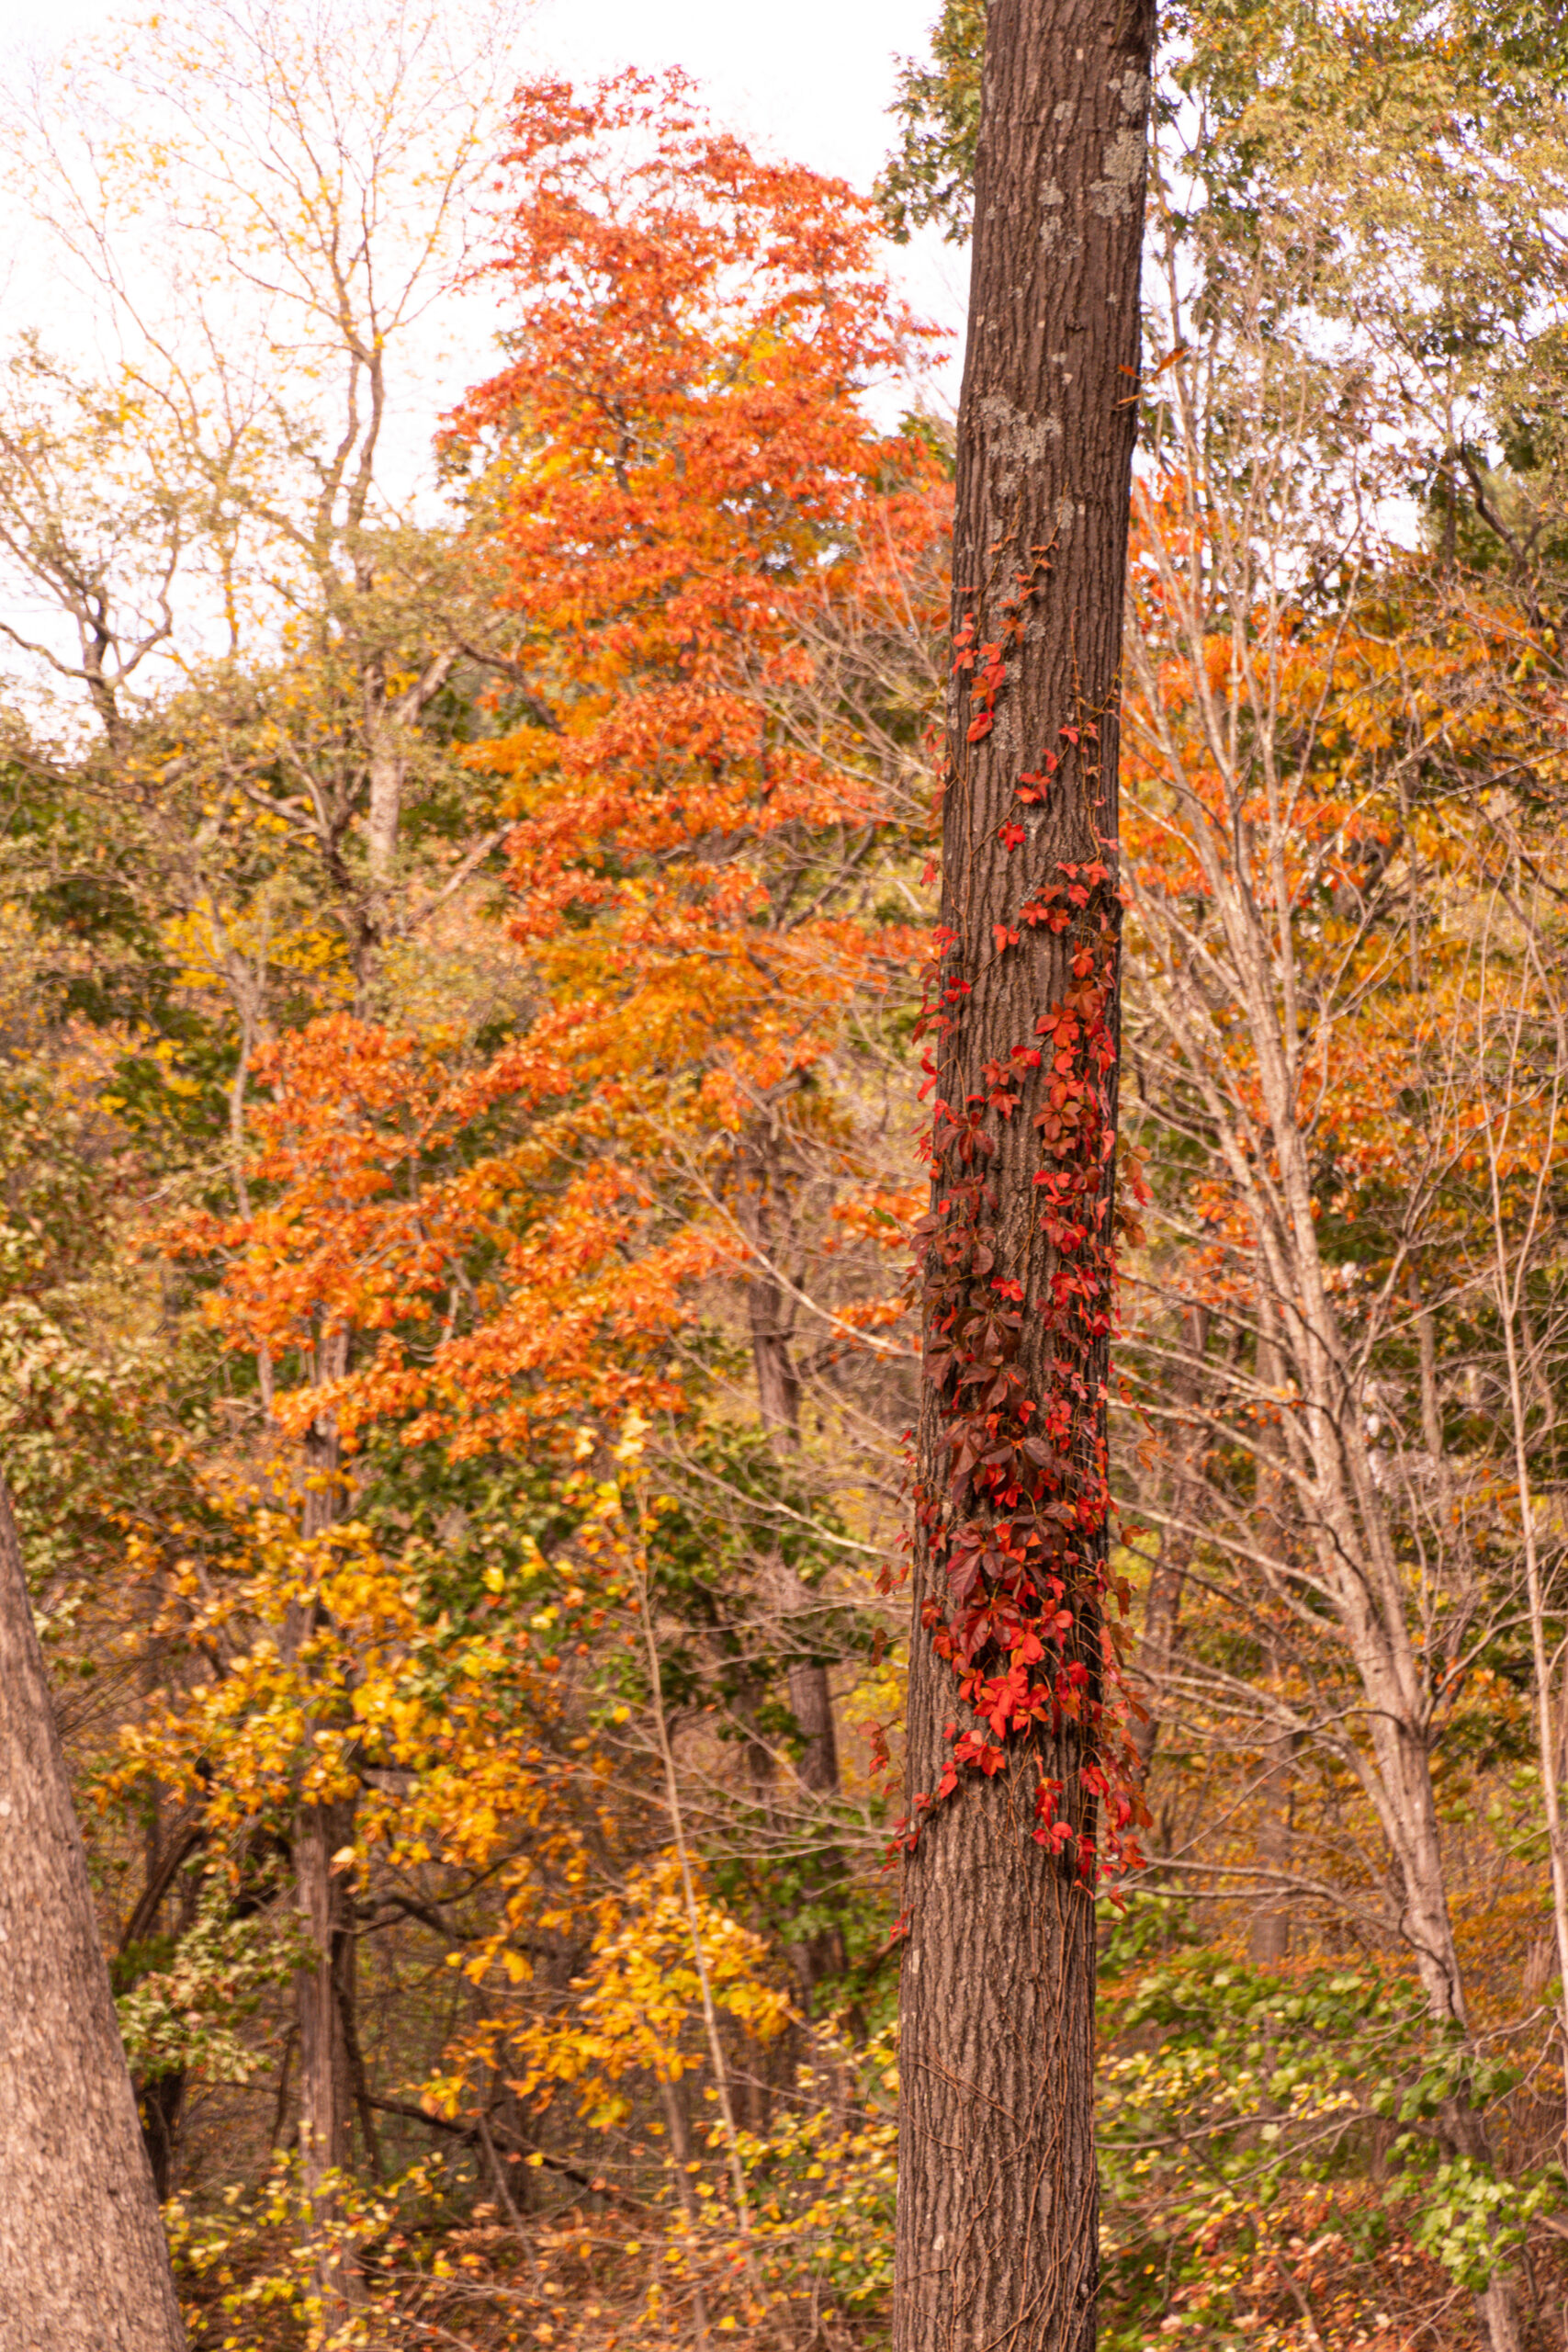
point(464, 965)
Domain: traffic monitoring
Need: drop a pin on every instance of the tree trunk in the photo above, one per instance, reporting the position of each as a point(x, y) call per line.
point(159, 2103)
point(1269, 1931)
point(819, 1955)
point(997, 2197)
point(1357, 1567)
point(324, 1989)
point(778, 1397)
point(1269, 1935)
point(1158, 1649)
point(321, 1990)
point(384, 815)
point(83, 2262)
point(160, 2098)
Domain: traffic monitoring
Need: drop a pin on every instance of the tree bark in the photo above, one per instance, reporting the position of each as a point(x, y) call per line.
point(83, 2267)
point(998, 2198)
point(324, 1989)
point(326, 2090)
point(778, 1398)
point(1157, 1648)
point(819, 1955)
point(1269, 1935)
point(1269, 1931)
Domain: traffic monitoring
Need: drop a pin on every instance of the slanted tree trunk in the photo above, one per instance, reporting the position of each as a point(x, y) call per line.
point(83, 2267)
point(1342, 1532)
point(998, 2198)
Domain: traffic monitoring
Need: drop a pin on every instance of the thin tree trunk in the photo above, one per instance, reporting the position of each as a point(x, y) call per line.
point(83, 2267)
point(326, 2074)
point(778, 1397)
point(771, 1314)
point(160, 2098)
point(324, 1988)
point(1268, 1934)
point(1269, 1939)
point(819, 1955)
point(358, 2073)
point(998, 2195)
point(158, 2104)
point(1168, 1578)
point(680, 2160)
point(1356, 1564)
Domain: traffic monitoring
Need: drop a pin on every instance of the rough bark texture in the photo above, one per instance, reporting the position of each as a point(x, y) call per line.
point(998, 2196)
point(83, 2262)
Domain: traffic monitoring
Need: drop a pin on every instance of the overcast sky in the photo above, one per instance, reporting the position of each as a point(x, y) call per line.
point(815, 74)
point(813, 79)
point(806, 80)
point(810, 79)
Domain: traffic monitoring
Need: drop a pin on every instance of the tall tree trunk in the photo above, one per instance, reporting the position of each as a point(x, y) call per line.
point(997, 2197)
point(324, 1989)
point(326, 2076)
point(778, 1396)
point(1350, 1532)
point(1269, 1931)
point(1167, 1579)
point(819, 1954)
point(160, 2098)
point(83, 2262)
point(1268, 1935)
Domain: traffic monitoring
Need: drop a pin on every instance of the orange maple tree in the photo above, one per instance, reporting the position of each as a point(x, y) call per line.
point(494, 1251)
point(676, 473)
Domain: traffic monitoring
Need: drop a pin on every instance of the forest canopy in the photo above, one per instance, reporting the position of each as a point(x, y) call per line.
point(469, 926)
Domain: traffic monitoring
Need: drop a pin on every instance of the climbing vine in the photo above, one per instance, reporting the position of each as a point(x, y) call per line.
point(1016, 1525)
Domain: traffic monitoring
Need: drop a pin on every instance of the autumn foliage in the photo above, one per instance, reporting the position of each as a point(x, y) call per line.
point(461, 1186)
point(679, 468)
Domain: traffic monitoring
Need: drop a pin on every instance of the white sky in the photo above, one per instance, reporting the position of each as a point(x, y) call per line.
point(816, 77)
point(816, 74)
point(810, 79)
point(807, 80)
